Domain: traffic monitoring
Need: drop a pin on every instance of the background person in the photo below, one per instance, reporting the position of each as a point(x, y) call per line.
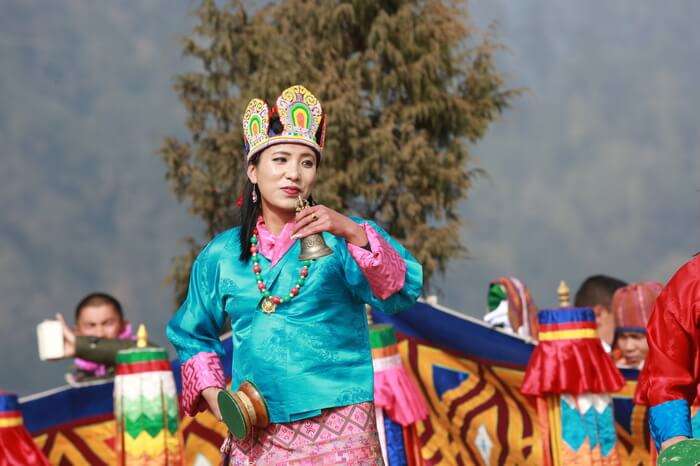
point(596, 292)
point(631, 306)
point(100, 332)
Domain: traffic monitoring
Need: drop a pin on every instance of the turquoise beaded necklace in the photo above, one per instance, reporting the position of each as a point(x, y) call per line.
point(270, 302)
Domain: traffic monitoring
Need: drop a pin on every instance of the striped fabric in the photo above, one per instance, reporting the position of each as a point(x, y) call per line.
point(567, 324)
point(146, 409)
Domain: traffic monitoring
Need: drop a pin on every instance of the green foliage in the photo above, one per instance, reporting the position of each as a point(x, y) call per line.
point(407, 86)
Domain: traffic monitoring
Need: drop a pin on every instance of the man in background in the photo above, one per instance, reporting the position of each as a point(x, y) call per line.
point(100, 332)
point(631, 306)
point(596, 292)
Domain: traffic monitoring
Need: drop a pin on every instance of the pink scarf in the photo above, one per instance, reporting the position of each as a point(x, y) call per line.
point(100, 370)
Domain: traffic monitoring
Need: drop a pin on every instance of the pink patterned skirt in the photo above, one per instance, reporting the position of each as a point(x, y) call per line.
point(345, 435)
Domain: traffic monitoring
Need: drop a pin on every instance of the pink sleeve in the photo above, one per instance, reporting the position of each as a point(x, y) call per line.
point(201, 371)
point(383, 267)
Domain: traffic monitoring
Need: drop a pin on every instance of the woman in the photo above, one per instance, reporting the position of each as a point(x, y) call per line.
point(299, 327)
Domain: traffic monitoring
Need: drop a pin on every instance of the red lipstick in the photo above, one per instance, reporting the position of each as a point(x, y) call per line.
point(291, 191)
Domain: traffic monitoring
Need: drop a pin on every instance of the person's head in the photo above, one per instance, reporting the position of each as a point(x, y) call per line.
point(282, 173)
point(283, 146)
point(99, 315)
point(631, 306)
point(596, 292)
point(633, 347)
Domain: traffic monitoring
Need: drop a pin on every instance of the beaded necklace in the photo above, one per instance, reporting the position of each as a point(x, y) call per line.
point(270, 301)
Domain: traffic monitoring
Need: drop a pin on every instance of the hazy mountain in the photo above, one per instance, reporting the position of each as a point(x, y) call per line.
point(85, 100)
point(595, 169)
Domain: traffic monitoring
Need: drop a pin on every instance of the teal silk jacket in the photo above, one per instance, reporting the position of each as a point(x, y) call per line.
point(313, 352)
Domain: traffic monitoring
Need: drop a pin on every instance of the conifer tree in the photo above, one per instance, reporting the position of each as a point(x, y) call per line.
point(408, 86)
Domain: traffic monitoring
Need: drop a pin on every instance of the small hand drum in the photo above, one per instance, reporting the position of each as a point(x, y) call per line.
point(243, 410)
point(684, 453)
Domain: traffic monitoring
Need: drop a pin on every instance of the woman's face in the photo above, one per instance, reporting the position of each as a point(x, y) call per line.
point(283, 173)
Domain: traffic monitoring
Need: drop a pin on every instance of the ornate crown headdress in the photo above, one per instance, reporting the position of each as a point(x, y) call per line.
point(297, 117)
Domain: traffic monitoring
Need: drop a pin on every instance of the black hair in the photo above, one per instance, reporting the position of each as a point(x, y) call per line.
point(98, 299)
point(249, 213)
point(597, 290)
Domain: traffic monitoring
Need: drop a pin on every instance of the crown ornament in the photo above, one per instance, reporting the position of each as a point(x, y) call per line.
point(297, 117)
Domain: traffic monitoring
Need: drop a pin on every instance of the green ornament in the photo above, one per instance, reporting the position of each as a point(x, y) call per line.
point(683, 453)
point(497, 293)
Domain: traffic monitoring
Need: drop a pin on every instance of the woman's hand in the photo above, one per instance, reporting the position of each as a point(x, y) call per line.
point(68, 337)
point(211, 395)
point(320, 218)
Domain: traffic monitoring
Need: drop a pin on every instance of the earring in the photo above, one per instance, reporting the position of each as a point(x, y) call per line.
point(254, 197)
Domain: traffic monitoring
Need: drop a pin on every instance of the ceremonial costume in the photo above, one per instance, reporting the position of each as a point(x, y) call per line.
point(511, 307)
point(306, 351)
point(631, 306)
point(572, 379)
point(669, 380)
point(17, 448)
point(146, 409)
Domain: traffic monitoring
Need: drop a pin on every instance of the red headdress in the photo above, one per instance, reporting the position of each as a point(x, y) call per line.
point(632, 306)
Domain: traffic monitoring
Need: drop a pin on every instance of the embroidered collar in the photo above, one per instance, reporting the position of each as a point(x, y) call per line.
point(271, 246)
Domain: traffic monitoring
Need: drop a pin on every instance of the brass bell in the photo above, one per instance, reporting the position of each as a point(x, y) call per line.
point(312, 246)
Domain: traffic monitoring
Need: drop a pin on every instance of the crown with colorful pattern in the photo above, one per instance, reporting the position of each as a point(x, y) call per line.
point(297, 117)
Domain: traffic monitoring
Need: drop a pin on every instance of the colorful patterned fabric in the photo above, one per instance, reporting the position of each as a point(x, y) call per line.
point(316, 343)
point(477, 416)
point(394, 390)
point(16, 445)
point(522, 312)
point(587, 430)
point(632, 306)
point(631, 425)
point(383, 267)
point(345, 435)
point(570, 371)
point(670, 419)
point(569, 358)
point(396, 451)
point(672, 367)
point(469, 374)
point(273, 247)
point(146, 409)
point(201, 371)
point(299, 116)
point(684, 453)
